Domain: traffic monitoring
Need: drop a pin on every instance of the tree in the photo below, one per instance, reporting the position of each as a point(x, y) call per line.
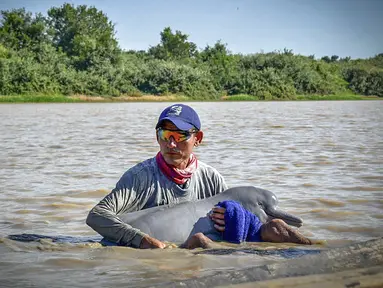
point(83, 33)
point(218, 51)
point(222, 65)
point(19, 29)
point(326, 59)
point(334, 58)
point(173, 46)
point(288, 51)
point(345, 59)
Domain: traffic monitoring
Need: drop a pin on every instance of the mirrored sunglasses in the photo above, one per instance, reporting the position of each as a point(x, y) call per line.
point(178, 135)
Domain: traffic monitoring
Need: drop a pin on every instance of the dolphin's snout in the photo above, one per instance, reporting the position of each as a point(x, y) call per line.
point(287, 217)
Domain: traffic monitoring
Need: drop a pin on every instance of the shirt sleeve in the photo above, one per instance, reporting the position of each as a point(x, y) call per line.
point(220, 183)
point(125, 197)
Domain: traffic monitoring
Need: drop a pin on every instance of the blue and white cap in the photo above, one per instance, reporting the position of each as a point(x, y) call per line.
point(183, 116)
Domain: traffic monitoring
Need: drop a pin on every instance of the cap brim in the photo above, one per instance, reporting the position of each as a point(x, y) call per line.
point(182, 125)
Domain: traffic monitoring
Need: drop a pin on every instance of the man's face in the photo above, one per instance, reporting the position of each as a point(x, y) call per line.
point(177, 153)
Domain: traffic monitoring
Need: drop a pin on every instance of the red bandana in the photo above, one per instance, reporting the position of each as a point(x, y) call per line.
point(179, 176)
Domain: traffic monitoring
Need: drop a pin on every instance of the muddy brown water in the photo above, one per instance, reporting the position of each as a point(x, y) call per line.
point(322, 159)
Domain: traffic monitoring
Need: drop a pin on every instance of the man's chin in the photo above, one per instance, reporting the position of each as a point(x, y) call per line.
point(175, 161)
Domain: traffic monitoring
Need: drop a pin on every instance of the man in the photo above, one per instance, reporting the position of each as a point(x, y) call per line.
point(174, 175)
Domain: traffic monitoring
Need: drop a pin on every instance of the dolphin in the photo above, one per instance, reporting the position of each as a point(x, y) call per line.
point(177, 223)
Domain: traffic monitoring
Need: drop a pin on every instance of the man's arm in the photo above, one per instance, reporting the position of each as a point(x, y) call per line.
point(103, 218)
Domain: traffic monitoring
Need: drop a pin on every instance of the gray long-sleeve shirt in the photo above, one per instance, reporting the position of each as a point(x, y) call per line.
point(144, 186)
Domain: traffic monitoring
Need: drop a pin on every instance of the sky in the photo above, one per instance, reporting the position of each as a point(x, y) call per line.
point(309, 27)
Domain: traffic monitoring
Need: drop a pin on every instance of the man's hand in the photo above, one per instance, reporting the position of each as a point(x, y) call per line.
point(149, 242)
point(218, 218)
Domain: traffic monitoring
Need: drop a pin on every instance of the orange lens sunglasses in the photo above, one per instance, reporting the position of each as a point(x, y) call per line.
point(178, 135)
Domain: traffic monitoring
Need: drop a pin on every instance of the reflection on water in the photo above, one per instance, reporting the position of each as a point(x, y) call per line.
point(322, 159)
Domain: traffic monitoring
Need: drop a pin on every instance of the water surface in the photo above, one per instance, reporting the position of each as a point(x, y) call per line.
point(322, 159)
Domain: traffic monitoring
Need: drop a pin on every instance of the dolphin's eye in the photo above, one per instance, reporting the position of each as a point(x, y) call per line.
point(260, 204)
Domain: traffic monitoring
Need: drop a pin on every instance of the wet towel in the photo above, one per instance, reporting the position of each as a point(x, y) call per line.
point(240, 224)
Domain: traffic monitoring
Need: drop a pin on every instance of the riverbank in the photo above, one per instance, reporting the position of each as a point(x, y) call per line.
point(164, 98)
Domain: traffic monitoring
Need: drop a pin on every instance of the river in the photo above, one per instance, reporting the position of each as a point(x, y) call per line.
point(322, 159)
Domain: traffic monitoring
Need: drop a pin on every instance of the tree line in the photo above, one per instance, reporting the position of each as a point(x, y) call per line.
point(73, 50)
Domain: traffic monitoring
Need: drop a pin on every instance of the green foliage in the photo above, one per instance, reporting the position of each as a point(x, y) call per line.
point(166, 77)
point(364, 76)
point(366, 82)
point(73, 50)
point(84, 34)
point(267, 84)
point(241, 97)
point(20, 30)
point(330, 97)
point(173, 46)
point(223, 66)
point(4, 53)
point(37, 99)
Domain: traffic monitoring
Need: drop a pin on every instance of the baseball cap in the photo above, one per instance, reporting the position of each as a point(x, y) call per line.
point(183, 116)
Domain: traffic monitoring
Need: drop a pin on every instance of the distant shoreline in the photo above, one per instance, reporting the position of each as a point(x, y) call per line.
point(166, 98)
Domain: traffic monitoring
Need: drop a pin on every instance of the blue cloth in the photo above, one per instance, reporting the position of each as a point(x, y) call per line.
point(240, 224)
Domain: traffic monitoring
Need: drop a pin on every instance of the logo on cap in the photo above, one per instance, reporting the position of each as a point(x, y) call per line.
point(174, 110)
